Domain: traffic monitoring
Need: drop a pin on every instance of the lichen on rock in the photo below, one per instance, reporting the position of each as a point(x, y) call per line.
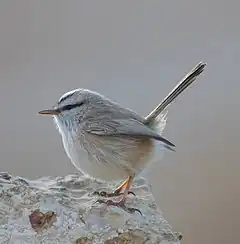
point(40, 221)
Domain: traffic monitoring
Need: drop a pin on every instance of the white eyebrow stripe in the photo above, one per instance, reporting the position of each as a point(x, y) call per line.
point(65, 96)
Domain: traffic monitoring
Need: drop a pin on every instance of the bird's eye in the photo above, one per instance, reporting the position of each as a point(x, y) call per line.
point(71, 106)
point(68, 107)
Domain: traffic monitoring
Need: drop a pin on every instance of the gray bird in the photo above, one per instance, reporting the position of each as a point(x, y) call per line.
point(107, 141)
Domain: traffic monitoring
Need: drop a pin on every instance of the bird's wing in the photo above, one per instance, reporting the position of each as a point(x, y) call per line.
point(124, 127)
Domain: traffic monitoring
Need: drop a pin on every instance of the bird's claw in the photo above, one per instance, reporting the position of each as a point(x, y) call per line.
point(106, 194)
point(131, 192)
point(113, 194)
point(120, 204)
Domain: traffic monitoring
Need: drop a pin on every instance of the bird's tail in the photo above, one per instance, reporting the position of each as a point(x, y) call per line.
point(177, 90)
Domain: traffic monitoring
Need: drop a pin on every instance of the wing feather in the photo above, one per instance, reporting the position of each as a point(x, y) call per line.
point(125, 127)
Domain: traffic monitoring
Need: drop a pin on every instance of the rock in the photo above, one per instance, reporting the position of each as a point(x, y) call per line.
point(64, 210)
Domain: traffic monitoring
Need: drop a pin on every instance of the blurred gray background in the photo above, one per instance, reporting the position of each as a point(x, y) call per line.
point(134, 52)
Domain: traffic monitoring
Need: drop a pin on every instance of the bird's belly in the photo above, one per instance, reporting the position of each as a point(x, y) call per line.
point(92, 168)
point(106, 166)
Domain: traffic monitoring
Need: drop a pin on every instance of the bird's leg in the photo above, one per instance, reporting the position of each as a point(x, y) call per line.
point(121, 203)
point(117, 192)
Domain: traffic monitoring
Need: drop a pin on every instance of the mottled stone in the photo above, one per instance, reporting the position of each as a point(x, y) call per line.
point(133, 237)
point(84, 240)
point(64, 210)
point(40, 221)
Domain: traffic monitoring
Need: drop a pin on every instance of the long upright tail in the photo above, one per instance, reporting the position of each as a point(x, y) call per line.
point(177, 90)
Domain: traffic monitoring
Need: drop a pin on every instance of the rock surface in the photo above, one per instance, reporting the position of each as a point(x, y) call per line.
point(63, 210)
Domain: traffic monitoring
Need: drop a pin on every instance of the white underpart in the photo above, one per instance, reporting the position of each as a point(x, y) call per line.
point(78, 156)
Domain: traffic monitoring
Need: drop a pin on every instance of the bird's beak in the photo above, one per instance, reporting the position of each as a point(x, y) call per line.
point(49, 112)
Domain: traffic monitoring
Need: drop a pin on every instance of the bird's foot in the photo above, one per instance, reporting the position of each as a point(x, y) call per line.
point(113, 194)
point(120, 204)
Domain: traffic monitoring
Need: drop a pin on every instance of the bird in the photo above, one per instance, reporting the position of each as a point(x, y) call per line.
point(107, 141)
